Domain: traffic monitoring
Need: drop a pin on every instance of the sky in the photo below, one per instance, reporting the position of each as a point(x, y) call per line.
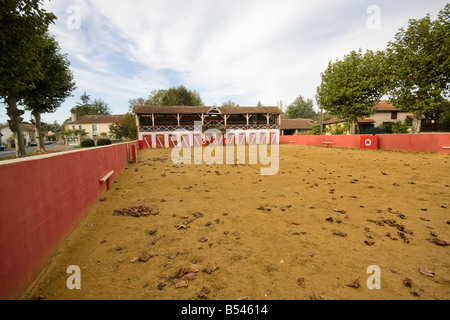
point(240, 50)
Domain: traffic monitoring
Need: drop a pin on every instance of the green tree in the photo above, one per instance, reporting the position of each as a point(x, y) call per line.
point(180, 96)
point(301, 108)
point(230, 103)
point(316, 129)
point(55, 86)
point(125, 129)
point(22, 26)
point(156, 98)
point(351, 87)
point(420, 64)
point(175, 96)
point(56, 128)
point(136, 102)
point(88, 108)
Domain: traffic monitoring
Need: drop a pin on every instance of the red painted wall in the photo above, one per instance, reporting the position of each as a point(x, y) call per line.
point(42, 201)
point(398, 142)
point(415, 142)
point(339, 141)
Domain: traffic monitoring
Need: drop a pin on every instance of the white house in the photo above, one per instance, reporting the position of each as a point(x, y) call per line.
point(29, 134)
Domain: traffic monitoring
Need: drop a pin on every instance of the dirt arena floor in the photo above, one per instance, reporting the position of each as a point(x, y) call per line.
point(225, 232)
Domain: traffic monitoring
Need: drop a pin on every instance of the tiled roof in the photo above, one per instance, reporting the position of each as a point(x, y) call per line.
point(384, 106)
point(97, 119)
point(204, 110)
point(333, 120)
point(291, 124)
point(337, 120)
point(366, 121)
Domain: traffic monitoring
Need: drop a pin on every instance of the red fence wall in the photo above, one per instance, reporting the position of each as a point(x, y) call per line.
point(415, 142)
point(42, 200)
point(397, 142)
point(338, 141)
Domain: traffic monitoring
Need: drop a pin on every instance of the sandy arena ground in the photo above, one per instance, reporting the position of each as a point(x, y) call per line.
point(307, 232)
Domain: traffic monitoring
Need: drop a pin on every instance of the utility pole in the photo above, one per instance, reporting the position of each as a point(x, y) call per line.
point(321, 121)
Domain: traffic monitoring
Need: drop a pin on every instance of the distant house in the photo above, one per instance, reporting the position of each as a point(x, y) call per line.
point(29, 134)
point(384, 113)
point(94, 125)
point(295, 127)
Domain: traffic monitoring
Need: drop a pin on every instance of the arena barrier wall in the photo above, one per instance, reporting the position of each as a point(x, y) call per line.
point(43, 199)
point(433, 142)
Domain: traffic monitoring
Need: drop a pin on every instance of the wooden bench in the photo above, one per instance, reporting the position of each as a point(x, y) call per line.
point(328, 143)
point(105, 179)
point(445, 147)
point(293, 142)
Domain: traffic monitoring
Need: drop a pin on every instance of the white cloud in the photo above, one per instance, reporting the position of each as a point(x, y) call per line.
point(244, 50)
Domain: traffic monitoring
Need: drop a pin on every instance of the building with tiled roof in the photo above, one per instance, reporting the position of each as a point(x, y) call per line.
point(163, 127)
point(293, 127)
point(94, 125)
point(384, 113)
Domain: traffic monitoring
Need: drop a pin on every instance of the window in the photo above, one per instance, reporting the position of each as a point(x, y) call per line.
point(94, 129)
point(394, 115)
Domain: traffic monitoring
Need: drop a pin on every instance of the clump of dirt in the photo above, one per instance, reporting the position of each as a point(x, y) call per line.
point(138, 211)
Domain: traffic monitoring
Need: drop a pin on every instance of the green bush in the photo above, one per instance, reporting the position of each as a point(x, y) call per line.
point(87, 143)
point(104, 142)
point(387, 127)
point(395, 127)
point(400, 127)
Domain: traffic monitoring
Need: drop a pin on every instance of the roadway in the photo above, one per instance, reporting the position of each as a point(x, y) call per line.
point(56, 147)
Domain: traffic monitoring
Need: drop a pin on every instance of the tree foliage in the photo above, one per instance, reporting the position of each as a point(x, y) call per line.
point(125, 129)
point(351, 87)
point(88, 108)
point(414, 71)
point(230, 103)
point(419, 62)
point(22, 25)
point(301, 109)
point(175, 96)
point(55, 86)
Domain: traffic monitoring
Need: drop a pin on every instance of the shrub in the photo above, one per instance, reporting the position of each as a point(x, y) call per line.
point(104, 142)
point(395, 127)
point(400, 127)
point(87, 143)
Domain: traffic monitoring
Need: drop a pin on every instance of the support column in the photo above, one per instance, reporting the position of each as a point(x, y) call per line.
point(248, 116)
point(225, 118)
point(268, 116)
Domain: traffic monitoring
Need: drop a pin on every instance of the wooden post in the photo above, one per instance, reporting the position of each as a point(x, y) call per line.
point(268, 116)
point(248, 116)
point(225, 118)
point(321, 121)
point(154, 116)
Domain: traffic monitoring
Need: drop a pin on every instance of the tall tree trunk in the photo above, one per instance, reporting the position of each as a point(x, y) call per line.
point(40, 137)
point(15, 125)
point(416, 124)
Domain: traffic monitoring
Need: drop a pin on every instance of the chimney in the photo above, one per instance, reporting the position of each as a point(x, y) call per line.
point(74, 117)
